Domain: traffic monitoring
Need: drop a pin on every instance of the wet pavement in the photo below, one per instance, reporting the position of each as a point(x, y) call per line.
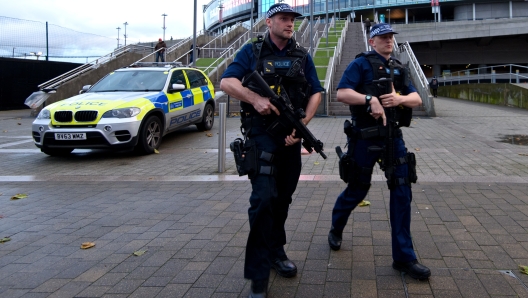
point(469, 225)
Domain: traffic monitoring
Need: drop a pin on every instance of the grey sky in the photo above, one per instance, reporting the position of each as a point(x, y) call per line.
point(103, 17)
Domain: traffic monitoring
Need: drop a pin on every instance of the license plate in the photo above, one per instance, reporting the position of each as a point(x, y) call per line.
point(70, 136)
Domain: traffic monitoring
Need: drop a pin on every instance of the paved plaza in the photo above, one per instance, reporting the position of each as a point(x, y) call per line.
point(469, 208)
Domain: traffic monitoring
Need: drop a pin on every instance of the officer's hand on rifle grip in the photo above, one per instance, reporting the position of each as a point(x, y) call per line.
point(376, 110)
point(264, 106)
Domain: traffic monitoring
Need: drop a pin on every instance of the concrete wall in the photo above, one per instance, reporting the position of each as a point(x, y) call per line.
point(514, 95)
point(490, 10)
point(73, 87)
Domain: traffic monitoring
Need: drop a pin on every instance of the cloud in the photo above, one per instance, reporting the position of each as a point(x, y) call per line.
point(100, 17)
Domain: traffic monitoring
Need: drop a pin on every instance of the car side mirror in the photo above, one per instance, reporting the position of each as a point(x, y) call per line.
point(176, 87)
point(85, 88)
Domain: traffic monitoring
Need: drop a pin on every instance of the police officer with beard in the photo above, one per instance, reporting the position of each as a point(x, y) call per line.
point(288, 69)
point(368, 107)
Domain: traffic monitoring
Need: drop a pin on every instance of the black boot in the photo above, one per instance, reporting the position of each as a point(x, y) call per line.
point(334, 239)
point(284, 268)
point(413, 269)
point(259, 289)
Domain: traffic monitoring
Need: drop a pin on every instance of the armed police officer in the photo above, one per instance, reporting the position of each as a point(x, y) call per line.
point(289, 70)
point(381, 97)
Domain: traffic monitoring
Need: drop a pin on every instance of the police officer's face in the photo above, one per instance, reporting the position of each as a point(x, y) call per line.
point(383, 44)
point(281, 25)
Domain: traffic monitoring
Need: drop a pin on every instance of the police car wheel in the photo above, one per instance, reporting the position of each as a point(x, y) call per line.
point(149, 136)
point(208, 119)
point(56, 152)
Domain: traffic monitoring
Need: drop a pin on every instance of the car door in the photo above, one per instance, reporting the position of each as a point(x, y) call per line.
point(201, 93)
point(180, 103)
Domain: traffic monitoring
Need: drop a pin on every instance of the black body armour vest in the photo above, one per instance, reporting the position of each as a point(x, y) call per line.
point(288, 71)
point(382, 70)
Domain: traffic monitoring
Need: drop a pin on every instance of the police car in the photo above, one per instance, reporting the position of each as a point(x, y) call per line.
point(132, 107)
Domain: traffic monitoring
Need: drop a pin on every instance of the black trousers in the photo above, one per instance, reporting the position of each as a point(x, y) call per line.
point(270, 199)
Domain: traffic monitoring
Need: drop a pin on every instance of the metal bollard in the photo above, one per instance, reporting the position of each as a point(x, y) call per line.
point(222, 138)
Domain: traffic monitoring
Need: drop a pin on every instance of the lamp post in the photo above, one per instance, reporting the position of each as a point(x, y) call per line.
point(14, 52)
point(327, 23)
point(164, 15)
point(194, 34)
point(251, 23)
point(118, 28)
point(125, 35)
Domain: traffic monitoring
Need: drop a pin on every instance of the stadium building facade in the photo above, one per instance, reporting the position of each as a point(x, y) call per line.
point(447, 47)
point(219, 14)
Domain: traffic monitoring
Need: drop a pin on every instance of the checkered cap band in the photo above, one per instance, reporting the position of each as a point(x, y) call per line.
point(281, 7)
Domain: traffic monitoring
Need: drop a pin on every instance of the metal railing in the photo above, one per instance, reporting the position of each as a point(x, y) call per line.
point(365, 37)
point(307, 30)
point(406, 56)
point(332, 65)
point(487, 74)
point(304, 23)
point(213, 68)
point(58, 81)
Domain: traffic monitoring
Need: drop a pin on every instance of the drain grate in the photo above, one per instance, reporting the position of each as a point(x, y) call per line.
point(510, 273)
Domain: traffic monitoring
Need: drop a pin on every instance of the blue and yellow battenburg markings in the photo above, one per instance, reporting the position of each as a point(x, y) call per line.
point(206, 93)
point(188, 98)
point(160, 101)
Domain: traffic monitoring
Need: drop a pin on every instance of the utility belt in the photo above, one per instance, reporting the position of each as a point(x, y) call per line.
point(271, 123)
point(247, 158)
point(360, 177)
point(376, 131)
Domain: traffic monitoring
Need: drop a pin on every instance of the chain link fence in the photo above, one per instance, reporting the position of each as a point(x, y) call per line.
point(37, 40)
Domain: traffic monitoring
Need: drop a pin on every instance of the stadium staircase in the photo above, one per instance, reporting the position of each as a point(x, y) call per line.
point(344, 41)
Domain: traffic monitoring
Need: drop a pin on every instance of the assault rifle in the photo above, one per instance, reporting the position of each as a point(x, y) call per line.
point(288, 115)
point(384, 86)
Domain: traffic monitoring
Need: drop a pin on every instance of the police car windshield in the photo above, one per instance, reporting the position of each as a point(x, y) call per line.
point(132, 81)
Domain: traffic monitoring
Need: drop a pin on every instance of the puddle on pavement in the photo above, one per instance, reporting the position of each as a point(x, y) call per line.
point(515, 139)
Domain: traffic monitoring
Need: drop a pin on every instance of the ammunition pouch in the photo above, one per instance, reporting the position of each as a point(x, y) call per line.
point(247, 158)
point(410, 160)
point(350, 172)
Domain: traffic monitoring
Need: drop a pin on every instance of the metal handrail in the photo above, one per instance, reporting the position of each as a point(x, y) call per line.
point(406, 48)
point(58, 81)
point(512, 77)
point(365, 38)
point(465, 72)
point(406, 55)
point(303, 23)
point(303, 37)
point(228, 52)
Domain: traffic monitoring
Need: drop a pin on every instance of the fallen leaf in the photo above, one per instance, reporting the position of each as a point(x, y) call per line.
point(86, 245)
point(156, 151)
point(209, 134)
point(463, 137)
point(19, 196)
point(523, 154)
point(5, 130)
point(19, 123)
point(524, 269)
point(316, 163)
point(139, 252)
point(364, 203)
point(417, 149)
point(5, 239)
